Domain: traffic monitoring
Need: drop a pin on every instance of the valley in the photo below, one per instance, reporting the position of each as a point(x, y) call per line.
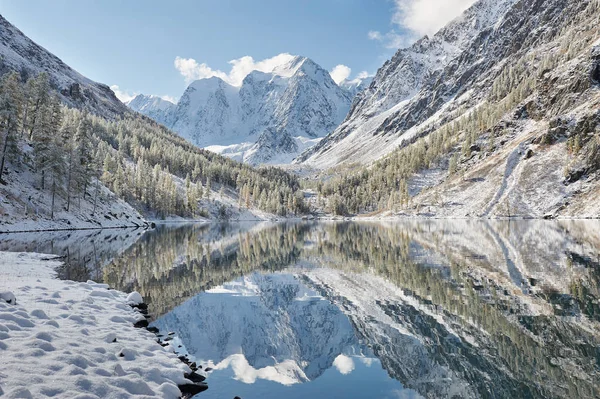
point(287, 226)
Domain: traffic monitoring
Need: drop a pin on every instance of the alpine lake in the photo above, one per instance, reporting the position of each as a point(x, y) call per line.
point(403, 309)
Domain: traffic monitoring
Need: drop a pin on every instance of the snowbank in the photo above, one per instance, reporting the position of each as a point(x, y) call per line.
point(68, 339)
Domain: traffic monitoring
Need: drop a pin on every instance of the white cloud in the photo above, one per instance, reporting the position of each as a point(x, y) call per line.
point(367, 361)
point(122, 95)
point(340, 73)
point(191, 70)
point(391, 39)
point(363, 75)
point(416, 18)
point(344, 364)
point(426, 17)
point(375, 35)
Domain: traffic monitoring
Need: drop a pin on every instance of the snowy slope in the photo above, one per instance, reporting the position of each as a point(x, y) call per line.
point(545, 55)
point(24, 206)
point(270, 118)
point(67, 339)
point(19, 53)
point(152, 106)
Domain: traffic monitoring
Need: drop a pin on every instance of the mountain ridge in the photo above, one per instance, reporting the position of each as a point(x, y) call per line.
point(269, 118)
point(16, 53)
point(405, 79)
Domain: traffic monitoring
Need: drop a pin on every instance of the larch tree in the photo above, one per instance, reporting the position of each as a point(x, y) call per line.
point(11, 103)
point(83, 154)
point(56, 164)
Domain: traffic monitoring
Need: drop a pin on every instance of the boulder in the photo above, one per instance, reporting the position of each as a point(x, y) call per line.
point(195, 377)
point(8, 297)
point(143, 323)
point(135, 298)
point(189, 390)
point(529, 153)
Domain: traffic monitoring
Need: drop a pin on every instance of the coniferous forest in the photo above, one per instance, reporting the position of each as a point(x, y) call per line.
point(72, 152)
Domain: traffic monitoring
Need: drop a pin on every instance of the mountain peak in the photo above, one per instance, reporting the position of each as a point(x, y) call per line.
point(210, 82)
point(289, 68)
point(143, 101)
point(270, 117)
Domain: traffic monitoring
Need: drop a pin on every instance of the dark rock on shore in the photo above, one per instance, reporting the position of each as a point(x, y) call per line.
point(141, 323)
point(195, 377)
point(189, 390)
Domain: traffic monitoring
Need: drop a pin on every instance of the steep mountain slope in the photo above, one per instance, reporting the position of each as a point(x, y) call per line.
point(152, 106)
point(415, 84)
point(542, 157)
point(270, 118)
point(503, 123)
point(21, 54)
point(23, 205)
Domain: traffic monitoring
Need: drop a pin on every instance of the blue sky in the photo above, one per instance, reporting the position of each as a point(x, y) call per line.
point(134, 44)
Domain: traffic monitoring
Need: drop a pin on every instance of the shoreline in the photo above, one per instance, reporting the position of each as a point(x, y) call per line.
point(84, 338)
point(147, 225)
point(144, 226)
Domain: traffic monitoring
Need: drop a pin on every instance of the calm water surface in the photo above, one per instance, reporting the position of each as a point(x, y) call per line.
point(364, 310)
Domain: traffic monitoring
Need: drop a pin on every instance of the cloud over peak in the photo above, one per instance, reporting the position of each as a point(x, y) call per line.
point(426, 17)
point(415, 18)
point(192, 70)
point(339, 73)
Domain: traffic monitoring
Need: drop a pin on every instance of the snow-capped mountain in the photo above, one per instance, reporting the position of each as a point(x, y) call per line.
point(21, 54)
point(153, 106)
point(270, 118)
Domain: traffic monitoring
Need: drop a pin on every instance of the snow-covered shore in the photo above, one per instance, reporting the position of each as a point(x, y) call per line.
point(68, 339)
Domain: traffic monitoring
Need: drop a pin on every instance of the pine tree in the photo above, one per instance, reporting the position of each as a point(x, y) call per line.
point(453, 164)
point(208, 189)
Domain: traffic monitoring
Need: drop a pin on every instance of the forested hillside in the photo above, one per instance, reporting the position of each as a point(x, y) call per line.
point(71, 154)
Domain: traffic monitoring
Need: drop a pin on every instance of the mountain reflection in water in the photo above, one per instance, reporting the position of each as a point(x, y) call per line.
point(378, 310)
